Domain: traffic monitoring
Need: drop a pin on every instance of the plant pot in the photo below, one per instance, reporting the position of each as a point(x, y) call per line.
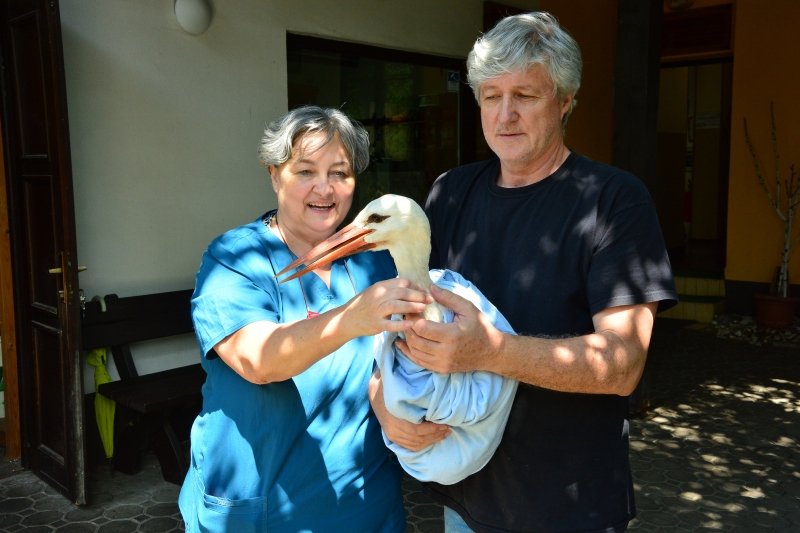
point(775, 311)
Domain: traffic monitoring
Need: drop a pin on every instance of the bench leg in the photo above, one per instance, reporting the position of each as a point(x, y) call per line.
point(169, 451)
point(129, 442)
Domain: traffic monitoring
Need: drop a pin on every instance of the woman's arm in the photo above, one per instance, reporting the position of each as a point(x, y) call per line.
point(264, 352)
point(414, 437)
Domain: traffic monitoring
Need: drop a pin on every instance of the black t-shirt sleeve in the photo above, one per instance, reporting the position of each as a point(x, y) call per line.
point(629, 264)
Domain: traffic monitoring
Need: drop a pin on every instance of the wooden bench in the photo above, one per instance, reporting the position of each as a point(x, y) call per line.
point(153, 410)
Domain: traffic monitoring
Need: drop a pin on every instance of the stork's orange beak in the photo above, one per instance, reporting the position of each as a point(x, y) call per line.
point(347, 241)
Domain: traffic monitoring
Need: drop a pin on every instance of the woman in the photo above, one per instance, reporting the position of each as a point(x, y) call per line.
point(286, 440)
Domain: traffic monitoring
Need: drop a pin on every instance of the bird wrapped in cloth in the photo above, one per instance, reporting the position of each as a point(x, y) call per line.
point(474, 404)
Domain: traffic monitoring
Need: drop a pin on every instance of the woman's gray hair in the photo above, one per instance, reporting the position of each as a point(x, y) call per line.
point(517, 43)
point(280, 136)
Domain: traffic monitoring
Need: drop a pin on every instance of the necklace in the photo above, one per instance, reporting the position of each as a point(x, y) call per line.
point(309, 313)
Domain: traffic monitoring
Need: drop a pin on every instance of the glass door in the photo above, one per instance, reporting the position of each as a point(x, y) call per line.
point(418, 109)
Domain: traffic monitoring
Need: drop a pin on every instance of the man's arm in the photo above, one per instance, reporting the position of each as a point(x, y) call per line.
point(608, 361)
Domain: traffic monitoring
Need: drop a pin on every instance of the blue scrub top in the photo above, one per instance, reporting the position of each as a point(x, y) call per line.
point(305, 454)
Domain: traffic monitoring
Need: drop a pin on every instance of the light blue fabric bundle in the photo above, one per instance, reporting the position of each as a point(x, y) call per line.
point(474, 404)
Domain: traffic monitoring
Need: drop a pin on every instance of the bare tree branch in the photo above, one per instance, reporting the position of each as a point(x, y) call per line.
point(784, 192)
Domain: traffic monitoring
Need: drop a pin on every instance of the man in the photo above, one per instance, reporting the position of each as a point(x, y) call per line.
point(571, 252)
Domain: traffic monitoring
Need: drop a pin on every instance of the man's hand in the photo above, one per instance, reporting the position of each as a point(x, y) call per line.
point(469, 343)
point(414, 437)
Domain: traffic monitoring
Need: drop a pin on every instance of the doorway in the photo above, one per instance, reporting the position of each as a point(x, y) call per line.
point(693, 159)
point(694, 129)
point(10, 446)
point(38, 284)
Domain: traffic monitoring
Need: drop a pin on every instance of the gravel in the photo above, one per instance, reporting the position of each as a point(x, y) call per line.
point(744, 327)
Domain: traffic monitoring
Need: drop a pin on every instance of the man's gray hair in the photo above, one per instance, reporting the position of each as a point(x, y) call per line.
point(520, 41)
point(280, 135)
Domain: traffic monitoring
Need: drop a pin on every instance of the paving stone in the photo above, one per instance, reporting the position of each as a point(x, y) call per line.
point(166, 494)
point(36, 529)
point(52, 503)
point(13, 505)
point(78, 527)
point(85, 513)
point(119, 526)
point(123, 511)
point(41, 518)
point(163, 509)
point(158, 525)
point(9, 520)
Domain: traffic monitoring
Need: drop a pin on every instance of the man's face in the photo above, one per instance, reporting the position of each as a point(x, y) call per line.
point(521, 117)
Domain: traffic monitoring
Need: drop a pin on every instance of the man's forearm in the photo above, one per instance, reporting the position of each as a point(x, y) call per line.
point(598, 363)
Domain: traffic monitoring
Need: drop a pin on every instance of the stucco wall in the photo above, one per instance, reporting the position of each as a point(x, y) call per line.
point(766, 68)
point(164, 125)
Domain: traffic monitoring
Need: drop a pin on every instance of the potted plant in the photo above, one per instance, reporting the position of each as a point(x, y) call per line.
point(777, 309)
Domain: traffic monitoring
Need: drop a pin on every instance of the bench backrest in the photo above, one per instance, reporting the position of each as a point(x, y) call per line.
point(134, 319)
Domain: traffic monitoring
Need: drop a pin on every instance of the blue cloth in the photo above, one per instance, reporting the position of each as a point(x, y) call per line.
point(475, 404)
point(304, 454)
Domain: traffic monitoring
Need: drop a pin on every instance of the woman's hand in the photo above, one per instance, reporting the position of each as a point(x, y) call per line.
point(414, 437)
point(370, 312)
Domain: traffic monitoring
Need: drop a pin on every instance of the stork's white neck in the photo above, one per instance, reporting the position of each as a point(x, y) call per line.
point(412, 264)
point(413, 269)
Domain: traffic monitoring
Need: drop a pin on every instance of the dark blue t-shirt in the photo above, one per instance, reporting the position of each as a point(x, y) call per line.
point(550, 255)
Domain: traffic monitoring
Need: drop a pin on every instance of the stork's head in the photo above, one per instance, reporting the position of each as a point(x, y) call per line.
point(391, 222)
point(394, 221)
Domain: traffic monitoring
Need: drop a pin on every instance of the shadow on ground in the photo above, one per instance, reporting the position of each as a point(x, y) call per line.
point(718, 447)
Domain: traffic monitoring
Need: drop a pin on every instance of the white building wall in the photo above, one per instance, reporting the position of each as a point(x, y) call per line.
point(164, 125)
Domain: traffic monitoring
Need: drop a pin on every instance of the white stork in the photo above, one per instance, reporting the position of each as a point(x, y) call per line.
point(474, 404)
point(391, 222)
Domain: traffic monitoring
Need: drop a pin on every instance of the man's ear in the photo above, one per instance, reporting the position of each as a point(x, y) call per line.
point(566, 104)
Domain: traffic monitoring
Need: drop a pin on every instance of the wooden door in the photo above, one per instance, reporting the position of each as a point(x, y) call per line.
point(41, 214)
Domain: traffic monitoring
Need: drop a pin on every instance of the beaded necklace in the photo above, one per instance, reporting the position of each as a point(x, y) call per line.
point(309, 313)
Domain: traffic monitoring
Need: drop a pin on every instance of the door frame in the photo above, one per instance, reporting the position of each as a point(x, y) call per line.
point(8, 333)
point(57, 458)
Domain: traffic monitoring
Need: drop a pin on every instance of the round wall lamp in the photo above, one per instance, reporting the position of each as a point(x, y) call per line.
point(194, 16)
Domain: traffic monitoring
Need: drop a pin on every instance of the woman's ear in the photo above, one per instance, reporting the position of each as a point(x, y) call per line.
point(273, 176)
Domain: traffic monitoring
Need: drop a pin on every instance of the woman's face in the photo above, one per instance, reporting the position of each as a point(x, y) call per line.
point(314, 189)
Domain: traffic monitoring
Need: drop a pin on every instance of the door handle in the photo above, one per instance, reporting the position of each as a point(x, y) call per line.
point(57, 270)
point(63, 271)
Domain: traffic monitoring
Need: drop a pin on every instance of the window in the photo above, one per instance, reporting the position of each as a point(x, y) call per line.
point(416, 108)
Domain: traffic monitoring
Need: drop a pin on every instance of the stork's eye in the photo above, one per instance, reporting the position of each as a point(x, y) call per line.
point(375, 218)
